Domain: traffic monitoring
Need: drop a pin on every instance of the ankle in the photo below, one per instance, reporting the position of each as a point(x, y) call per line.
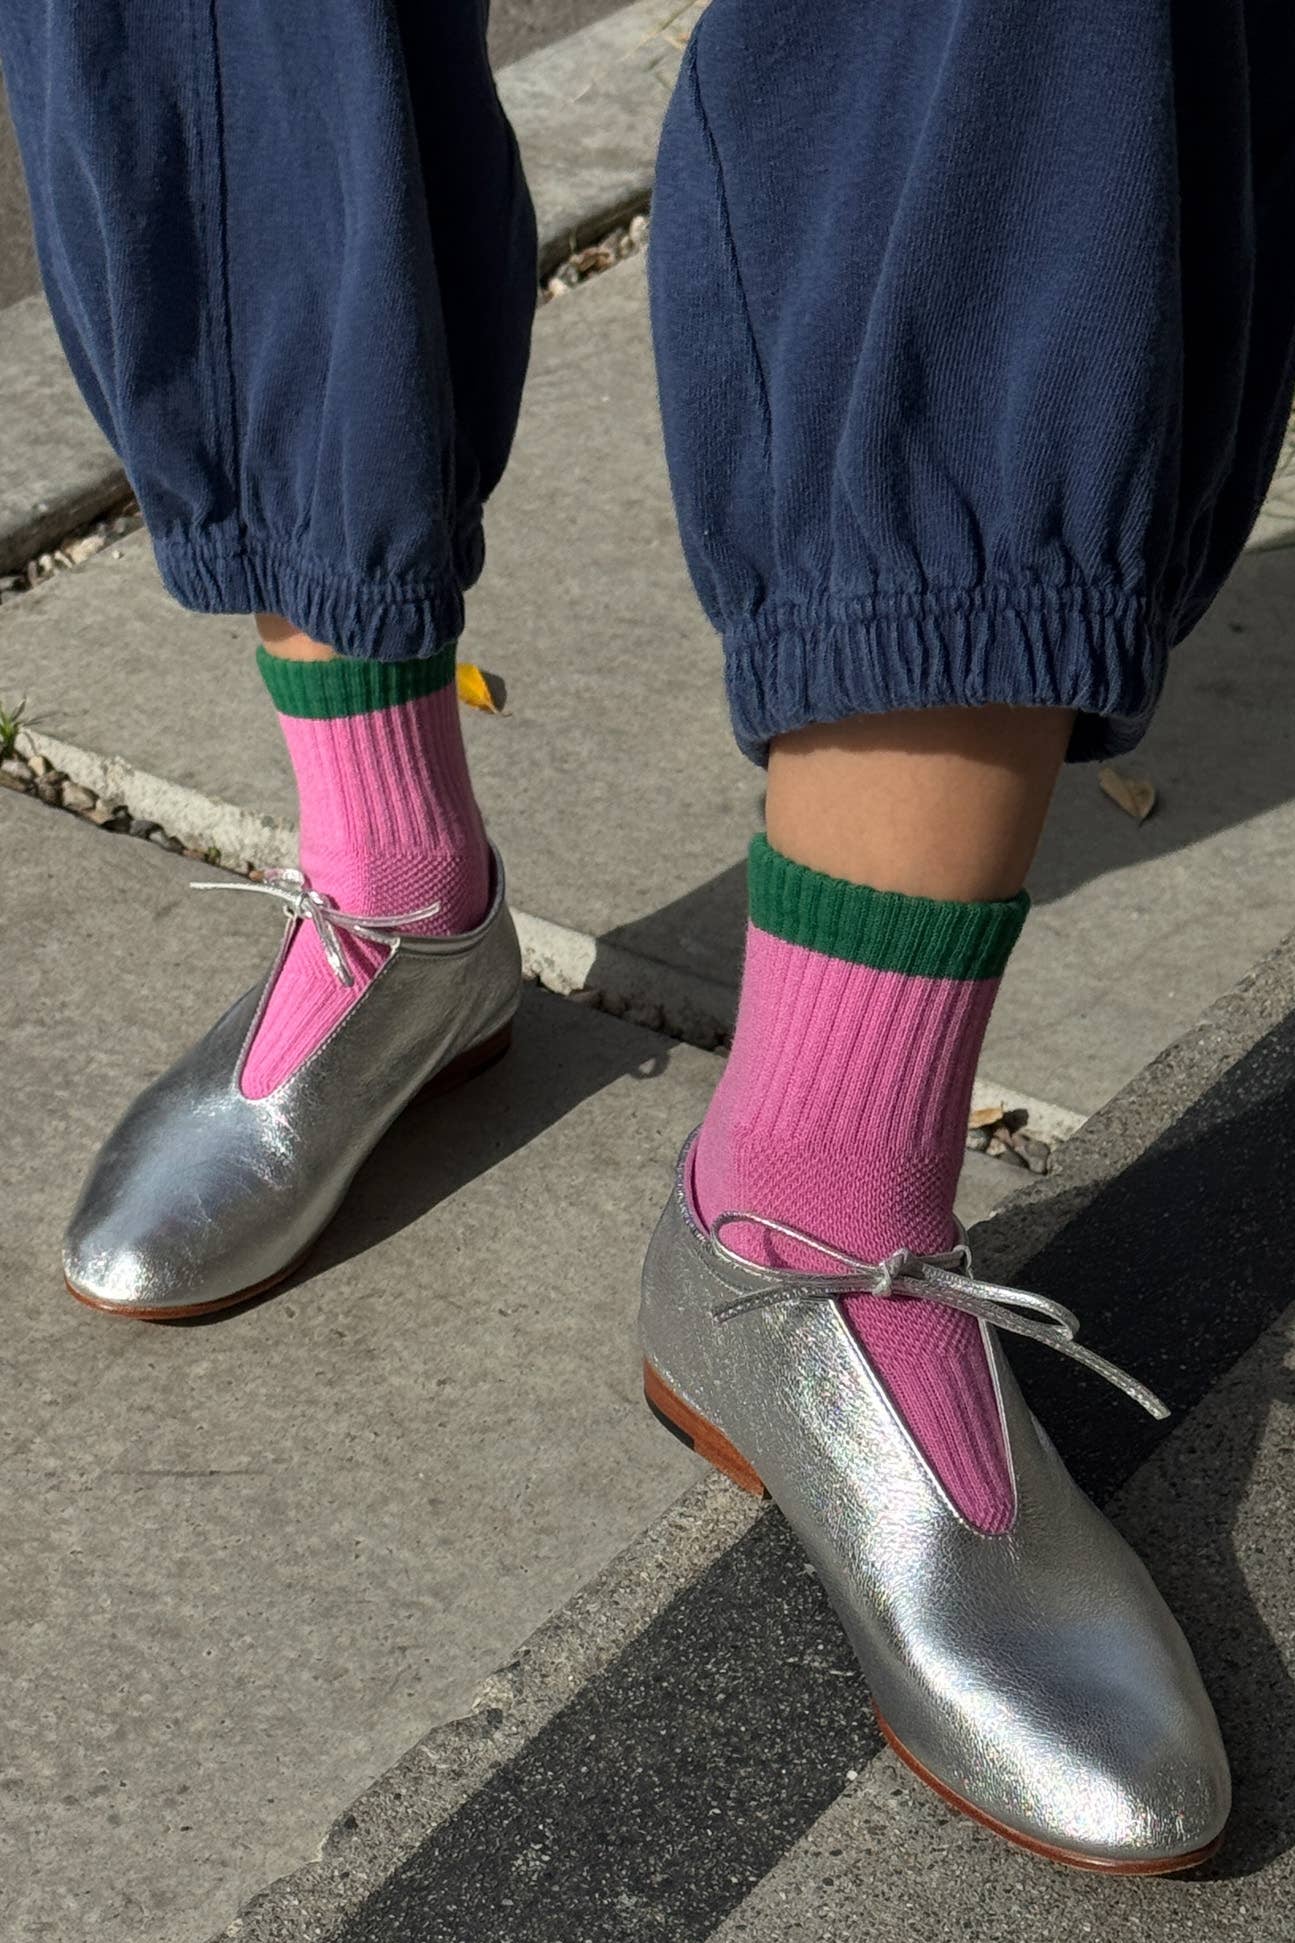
point(867, 1199)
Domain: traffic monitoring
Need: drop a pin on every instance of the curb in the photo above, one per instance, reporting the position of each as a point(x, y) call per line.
point(645, 991)
point(57, 472)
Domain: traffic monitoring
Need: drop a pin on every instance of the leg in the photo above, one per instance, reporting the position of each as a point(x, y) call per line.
point(936, 447)
point(944, 803)
point(292, 262)
point(944, 807)
point(389, 823)
point(293, 267)
point(952, 475)
point(312, 390)
point(281, 638)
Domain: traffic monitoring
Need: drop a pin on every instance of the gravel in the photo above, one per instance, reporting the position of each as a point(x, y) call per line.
point(1005, 1139)
point(35, 775)
point(72, 552)
point(629, 240)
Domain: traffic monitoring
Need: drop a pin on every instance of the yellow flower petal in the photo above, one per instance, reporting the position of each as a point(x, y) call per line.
point(477, 689)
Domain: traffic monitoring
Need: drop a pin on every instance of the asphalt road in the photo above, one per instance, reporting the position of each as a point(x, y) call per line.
point(517, 27)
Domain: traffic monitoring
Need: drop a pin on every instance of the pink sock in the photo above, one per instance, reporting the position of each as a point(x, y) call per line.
point(389, 824)
point(843, 1112)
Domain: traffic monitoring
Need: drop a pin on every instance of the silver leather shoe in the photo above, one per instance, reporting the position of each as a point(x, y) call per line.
point(201, 1198)
point(1035, 1679)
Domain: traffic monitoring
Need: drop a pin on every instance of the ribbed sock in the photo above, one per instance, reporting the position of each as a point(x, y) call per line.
point(843, 1112)
point(389, 824)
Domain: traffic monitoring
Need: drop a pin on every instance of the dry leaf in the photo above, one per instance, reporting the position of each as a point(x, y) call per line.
point(987, 1116)
point(1135, 795)
point(477, 689)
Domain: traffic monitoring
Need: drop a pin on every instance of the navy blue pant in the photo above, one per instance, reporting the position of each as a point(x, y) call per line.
point(974, 321)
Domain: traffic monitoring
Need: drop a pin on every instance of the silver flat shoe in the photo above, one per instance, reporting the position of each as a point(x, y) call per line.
point(1036, 1680)
point(201, 1198)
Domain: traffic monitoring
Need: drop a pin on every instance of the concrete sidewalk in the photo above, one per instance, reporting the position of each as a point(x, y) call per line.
point(248, 1563)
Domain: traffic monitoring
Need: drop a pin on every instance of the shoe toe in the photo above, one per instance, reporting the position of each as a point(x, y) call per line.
point(1124, 1774)
point(177, 1214)
point(98, 1269)
point(1161, 1794)
point(129, 1252)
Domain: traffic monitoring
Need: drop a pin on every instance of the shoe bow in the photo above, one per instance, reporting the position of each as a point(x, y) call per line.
point(317, 908)
point(945, 1279)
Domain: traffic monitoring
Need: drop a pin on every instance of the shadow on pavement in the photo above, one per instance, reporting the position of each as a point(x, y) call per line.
point(704, 930)
point(1244, 1667)
point(1176, 1266)
point(671, 1784)
point(560, 1056)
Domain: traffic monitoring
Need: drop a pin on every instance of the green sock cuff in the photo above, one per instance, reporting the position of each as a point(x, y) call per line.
point(323, 689)
point(924, 937)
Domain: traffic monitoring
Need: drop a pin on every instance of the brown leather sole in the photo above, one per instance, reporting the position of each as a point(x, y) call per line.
point(683, 1422)
point(468, 1064)
point(1152, 1865)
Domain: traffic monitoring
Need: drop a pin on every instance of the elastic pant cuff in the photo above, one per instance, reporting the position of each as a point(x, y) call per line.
point(366, 616)
point(1100, 652)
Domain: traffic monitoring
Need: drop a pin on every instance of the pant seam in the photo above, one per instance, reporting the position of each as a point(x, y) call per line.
point(220, 231)
point(730, 246)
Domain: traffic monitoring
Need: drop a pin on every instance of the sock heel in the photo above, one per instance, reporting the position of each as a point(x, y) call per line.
point(468, 1064)
point(683, 1422)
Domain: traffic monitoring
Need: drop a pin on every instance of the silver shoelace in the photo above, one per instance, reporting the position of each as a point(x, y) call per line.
point(944, 1279)
point(317, 908)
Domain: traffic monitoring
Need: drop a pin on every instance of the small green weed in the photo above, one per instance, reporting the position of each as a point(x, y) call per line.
point(11, 720)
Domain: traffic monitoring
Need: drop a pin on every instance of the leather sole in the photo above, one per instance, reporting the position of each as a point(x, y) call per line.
point(467, 1065)
point(683, 1422)
point(1069, 1858)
